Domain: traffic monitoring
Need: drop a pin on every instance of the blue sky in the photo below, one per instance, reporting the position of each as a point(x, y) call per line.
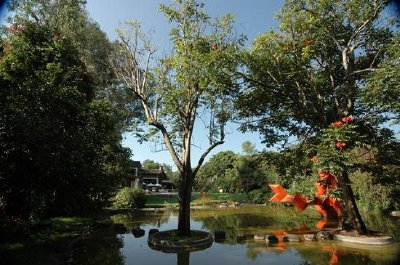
point(252, 17)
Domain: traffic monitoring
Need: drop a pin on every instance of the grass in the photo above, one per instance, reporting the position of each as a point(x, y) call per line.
point(59, 228)
point(44, 242)
point(158, 200)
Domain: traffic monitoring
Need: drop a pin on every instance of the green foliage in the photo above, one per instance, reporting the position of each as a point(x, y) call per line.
point(312, 72)
point(257, 196)
point(218, 173)
point(70, 20)
point(248, 148)
point(382, 92)
point(371, 197)
point(129, 198)
point(60, 149)
point(150, 164)
point(331, 157)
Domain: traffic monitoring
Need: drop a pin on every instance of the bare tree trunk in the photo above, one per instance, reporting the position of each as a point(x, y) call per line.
point(185, 192)
point(351, 216)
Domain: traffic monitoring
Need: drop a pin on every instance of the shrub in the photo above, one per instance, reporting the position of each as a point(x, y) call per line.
point(257, 196)
point(129, 198)
point(371, 196)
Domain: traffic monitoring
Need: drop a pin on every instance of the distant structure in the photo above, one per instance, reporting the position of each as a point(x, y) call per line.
point(140, 177)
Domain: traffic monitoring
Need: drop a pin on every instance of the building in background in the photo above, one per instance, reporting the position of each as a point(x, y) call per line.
point(145, 178)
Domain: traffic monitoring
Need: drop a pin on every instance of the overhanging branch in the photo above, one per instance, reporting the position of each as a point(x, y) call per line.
point(204, 155)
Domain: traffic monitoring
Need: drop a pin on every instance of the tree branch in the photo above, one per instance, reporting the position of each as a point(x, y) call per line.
point(168, 143)
point(204, 155)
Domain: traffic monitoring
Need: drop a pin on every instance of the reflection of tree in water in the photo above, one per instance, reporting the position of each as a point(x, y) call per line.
point(234, 224)
point(135, 219)
point(102, 247)
point(333, 253)
point(266, 217)
point(252, 220)
point(183, 258)
point(254, 250)
point(313, 255)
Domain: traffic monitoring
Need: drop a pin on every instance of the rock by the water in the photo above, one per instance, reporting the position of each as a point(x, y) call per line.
point(309, 237)
point(259, 237)
point(241, 237)
point(271, 239)
point(324, 235)
point(222, 205)
point(234, 204)
point(153, 230)
point(138, 232)
point(291, 238)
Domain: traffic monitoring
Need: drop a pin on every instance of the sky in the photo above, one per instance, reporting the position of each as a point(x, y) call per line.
point(252, 17)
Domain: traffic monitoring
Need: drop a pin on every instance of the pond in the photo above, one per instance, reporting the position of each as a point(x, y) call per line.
point(239, 246)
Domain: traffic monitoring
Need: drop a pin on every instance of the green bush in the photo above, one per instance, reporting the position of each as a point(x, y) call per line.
point(371, 196)
point(129, 198)
point(257, 196)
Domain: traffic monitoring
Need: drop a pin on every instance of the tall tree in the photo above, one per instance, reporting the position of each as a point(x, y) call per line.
point(60, 148)
point(310, 74)
point(192, 81)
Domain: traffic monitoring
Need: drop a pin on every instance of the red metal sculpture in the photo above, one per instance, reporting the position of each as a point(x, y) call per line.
point(327, 206)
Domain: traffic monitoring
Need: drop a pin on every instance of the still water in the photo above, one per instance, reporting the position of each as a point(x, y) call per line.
point(239, 247)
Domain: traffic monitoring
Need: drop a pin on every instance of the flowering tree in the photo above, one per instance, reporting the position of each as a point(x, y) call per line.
point(335, 160)
point(312, 73)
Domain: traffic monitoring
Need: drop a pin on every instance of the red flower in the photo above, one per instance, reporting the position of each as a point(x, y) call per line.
point(340, 145)
point(336, 124)
point(324, 175)
point(347, 119)
point(308, 42)
point(213, 45)
point(314, 159)
point(14, 28)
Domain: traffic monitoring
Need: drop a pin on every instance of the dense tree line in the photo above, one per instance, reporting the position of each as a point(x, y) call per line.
point(374, 175)
point(60, 140)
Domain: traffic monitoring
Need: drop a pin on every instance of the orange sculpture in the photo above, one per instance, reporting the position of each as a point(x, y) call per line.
point(327, 206)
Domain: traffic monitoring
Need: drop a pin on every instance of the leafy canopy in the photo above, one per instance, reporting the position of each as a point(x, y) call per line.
point(311, 72)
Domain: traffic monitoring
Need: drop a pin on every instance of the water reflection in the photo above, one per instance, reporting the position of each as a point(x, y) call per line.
point(105, 251)
point(183, 258)
point(239, 247)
